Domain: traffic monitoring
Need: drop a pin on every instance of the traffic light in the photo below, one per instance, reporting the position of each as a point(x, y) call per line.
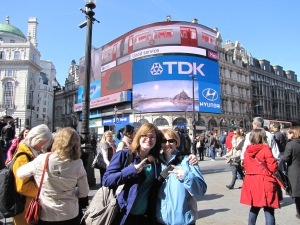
point(16, 122)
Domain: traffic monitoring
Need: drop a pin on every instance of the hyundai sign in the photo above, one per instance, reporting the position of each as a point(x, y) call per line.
point(165, 83)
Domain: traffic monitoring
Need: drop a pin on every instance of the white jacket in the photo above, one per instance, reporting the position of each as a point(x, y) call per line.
point(64, 182)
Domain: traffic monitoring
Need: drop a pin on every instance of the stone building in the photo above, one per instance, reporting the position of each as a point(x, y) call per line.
point(26, 80)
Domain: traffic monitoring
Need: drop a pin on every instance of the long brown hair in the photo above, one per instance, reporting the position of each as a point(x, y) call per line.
point(144, 129)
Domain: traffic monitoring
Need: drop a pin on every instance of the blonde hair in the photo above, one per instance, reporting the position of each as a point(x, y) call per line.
point(173, 134)
point(106, 133)
point(67, 144)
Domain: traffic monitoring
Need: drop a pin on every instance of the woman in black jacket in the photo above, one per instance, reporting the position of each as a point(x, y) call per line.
point(292, 157)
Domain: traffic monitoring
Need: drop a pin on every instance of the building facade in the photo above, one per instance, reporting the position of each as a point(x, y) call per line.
point(26, 80)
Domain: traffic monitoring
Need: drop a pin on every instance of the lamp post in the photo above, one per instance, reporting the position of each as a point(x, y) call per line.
point(85, 133)
point(31, 105)
point(88, 11)
point(55, 89)
point(115, 119)
point(194, 119)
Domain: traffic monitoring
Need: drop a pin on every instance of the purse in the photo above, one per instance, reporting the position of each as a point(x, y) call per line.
point(98, 161)
point(32, 215)
point(104, 207)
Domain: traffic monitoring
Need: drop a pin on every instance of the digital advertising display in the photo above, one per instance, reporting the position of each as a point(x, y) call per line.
point(116, 79)
point(165, 83)
point(94, 91)
point(95, 67)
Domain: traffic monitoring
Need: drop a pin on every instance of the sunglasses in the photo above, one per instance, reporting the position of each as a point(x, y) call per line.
point(171, 141)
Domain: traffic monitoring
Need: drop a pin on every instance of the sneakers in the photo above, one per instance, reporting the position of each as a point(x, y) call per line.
point(229, 187)
point(212, 160)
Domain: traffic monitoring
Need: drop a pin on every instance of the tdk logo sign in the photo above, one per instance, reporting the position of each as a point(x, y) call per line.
point(184, 68)
point(156, 69)
point(210, 94)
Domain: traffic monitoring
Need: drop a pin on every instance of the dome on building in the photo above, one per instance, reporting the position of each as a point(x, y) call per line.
point(7, 28)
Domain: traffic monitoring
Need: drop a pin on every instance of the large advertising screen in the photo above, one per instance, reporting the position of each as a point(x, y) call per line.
point(116, 79)
point(165, 83)
point(95, 67)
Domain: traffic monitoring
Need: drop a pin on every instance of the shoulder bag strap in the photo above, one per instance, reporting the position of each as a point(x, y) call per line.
point(43, 174)
point(272, 174)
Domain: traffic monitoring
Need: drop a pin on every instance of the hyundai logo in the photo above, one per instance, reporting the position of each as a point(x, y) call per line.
point(210, 94)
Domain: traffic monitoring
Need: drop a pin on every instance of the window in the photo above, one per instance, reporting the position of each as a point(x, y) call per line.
point(142, 37)
point(2, 55)
point(9, 73)
point(207, 38)
point(163, 34)
point(12, 41)
point(17, 55)
point(8, 94)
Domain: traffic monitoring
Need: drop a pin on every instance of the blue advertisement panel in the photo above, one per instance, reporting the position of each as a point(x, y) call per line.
point(95, 88)
point(165, 83)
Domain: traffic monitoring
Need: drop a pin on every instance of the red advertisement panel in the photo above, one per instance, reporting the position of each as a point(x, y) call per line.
point(116, 79)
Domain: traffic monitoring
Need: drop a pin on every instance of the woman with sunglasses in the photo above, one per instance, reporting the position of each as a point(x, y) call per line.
point(185, 179)
point(234, 157)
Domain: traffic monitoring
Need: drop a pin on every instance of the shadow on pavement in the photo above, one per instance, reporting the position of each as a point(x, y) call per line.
point(212, 196)
point(286, 201)
point(208, 212)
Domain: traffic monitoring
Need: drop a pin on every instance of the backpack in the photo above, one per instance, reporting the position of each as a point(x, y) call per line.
point(11, 202)
point(223, 139)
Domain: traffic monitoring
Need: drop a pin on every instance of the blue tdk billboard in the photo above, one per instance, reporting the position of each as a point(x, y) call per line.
point(165, 83)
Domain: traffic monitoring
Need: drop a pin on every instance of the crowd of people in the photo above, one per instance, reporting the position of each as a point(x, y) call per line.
point(138, 161)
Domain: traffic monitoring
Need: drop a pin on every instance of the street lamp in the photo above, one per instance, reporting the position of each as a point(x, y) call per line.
point(115, 119)
point(31, 105)
point(85, 133)
point(88, 11)
point(55, 89)
point(194, 119)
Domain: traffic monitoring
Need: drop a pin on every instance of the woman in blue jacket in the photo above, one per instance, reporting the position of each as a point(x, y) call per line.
point(183, 185)
point(137, 168)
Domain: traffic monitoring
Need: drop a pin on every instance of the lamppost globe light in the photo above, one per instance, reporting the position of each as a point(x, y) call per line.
point(91, 2)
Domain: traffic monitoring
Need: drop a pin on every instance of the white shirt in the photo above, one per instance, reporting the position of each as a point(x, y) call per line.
point(64, 182)
point(271, 142)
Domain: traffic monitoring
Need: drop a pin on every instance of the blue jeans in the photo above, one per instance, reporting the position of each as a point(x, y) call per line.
point(212, 151)
point(269, 215)
point(224, 149)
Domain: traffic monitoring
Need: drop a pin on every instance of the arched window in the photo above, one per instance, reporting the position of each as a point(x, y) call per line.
point(161, 122)
point(212, 123)
point(142, 121)
point(8, 94)
point(17, 55)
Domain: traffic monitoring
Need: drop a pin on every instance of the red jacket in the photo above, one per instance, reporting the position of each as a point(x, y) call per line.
point(228, 141)
point(259, 187)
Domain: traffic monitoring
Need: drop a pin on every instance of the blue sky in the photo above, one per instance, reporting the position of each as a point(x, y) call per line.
point(268, 29)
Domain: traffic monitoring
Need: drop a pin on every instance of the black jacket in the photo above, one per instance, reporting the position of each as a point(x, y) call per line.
point(292, 157)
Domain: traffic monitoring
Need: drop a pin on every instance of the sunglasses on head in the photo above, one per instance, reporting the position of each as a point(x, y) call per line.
point(169, 140)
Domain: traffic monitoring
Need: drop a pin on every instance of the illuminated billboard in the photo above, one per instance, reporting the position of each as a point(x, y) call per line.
point(116, 79)
point(164, 83)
